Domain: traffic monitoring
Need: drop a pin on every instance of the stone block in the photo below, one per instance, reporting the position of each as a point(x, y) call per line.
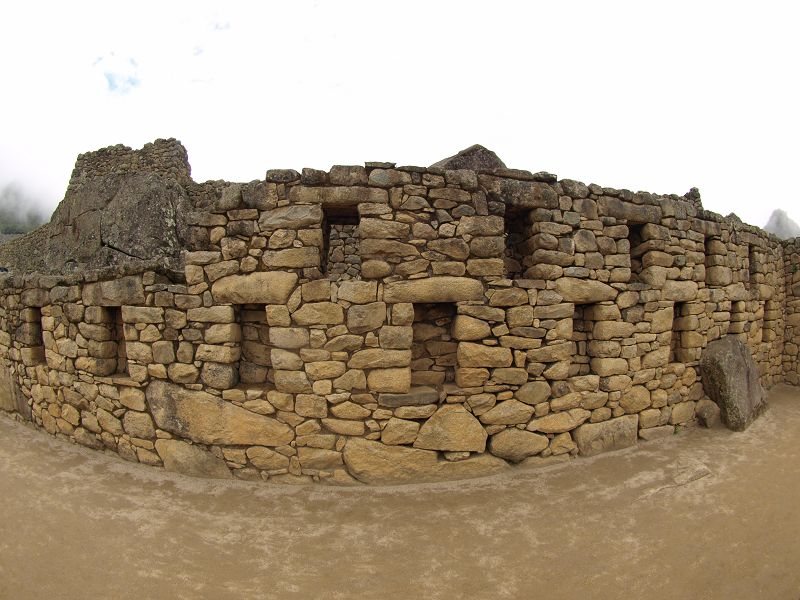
point(614, 434)
point(272, 287)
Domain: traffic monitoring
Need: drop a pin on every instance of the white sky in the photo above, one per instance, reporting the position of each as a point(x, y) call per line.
point(637, 95)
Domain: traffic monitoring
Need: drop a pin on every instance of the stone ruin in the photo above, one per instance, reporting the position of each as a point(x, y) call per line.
point(378, 324)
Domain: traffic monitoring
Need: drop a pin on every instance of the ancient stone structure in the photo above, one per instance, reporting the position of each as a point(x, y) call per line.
point(377, 324)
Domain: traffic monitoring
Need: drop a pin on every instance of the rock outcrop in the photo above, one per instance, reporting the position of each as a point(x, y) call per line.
point(730, 378)
point(781, 225)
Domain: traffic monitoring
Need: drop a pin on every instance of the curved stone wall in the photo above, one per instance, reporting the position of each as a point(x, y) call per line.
point(379, 324)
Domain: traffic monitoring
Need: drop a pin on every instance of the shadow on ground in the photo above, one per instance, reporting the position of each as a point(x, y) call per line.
point(704, 514)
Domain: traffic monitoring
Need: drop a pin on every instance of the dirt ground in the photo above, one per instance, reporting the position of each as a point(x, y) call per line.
point(700, 515)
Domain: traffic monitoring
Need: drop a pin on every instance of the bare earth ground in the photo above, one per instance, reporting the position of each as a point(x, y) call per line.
point(704, 514)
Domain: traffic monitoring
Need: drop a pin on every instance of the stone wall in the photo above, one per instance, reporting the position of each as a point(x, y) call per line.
point(381, 324)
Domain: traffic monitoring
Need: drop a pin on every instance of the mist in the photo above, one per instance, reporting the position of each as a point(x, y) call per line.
point(20, 211)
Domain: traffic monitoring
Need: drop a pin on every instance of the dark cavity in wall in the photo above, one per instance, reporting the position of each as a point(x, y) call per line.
point(113, 320)
point(433, 352)
point(340, 251)
point(255, 361)
point(636, 242)
point(581, 335)
point(517, 234)
point(29, 333)
point(678, 326)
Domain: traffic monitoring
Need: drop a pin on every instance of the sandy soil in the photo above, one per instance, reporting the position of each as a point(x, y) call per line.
point(701, 515)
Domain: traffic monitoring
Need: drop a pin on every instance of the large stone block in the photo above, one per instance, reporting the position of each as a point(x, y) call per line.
point(273, 287)
point(319, 313)
point(452, 428)
point(614, 434)
point(434, 289)
point(181, 457)
point(584, 291)
point(207, 419)
point(125, 290)
point(297, 216)
point(338, 195)
point(478, 355)
point(516, 444)
point(377, 463)
point(730, 378)
point(679, 291)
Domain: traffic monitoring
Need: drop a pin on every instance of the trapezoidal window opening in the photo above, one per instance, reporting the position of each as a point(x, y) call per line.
point(341, 258)
point(752, 266)
point(517, 238)
point(112, 319)
point(636, 240)
point(256, 361)
point(676, 353)
point(433, 351)
point(581, 335)
point(30, 334)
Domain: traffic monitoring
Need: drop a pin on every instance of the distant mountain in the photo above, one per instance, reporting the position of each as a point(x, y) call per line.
point(781, 225)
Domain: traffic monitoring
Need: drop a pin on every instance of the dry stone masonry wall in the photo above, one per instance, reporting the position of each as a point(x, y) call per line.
point(377, 324)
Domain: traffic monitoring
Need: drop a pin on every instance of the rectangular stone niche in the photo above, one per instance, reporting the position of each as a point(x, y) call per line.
point(676, 353)
point(518, 236)
point(581, 335)
point(341, 255)
point(255, 361)
point(752, 266)
point(636, 240)
point(112, 317)
point(433, 351)
point(30, 334)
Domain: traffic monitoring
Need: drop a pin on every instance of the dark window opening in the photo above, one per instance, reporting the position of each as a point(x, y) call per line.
point(433, 351)
point(517, 234)
point(113, 318)
point(678, 326)
point(636, 242)
point(581, 335)
point(739, 322)
point(256, 361)
point(29, 333)
point(752, 266)
point(341, 258)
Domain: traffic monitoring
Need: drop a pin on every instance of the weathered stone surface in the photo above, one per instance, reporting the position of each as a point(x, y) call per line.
point(470, 328)
point(208, 419)
point(319, 313)
point(182, 457)
point(125, 290)
point(584, 291)
point(433, 289)
point(559, 422)
point(379, 358)
point(272, 287)
point(399, 431)
point(293, 217)
point(366, 317)
point(509, 412)
point(376, 463)
point(614, 434)
point(517, 444)
point(419, 395)
point(338, 195)
point(730, 378)
point(534, 392)
point(478, 355)
point(679, 291)
point(452, 428)
point(396, 380)
point(476, 158)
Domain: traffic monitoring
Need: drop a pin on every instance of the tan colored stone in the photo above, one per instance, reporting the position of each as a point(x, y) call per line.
point(344, 426)
point(319, 459)
point(221, 354)
point(433, 289)
point(679, 291)
point(265, 287)
point(636, 399)
point(180, 457)
point(292, 381)
point(470, 328)
point(584, 291)
point(214, 314)
point(552, 352)
point(478, 355)
point(358, 292)
point(382, 229)
point(389, 380)
point(292, 258)
point(509, 297)
point(353, 379)
point(609, 366)
point(182, 373)
point(559, 422)
point(207, 419)
point(614, 434)
point(325, 369)
point(337, 195)
point(683, 412)
point(534, 392)
point(509, 412)
point(266, 459)
point(319, 313)
point(117, 292)
point(376, 463)
point(366, 317)
point(516, 444)
point(372, 358)
point(452, 428)
point(399, 431)
point(138, 425)
point(310, 405)
point(142, 314)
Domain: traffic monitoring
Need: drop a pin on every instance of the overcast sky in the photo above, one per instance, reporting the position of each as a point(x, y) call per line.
point(624, 94)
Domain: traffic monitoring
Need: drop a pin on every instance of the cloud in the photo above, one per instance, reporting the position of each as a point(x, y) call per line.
point(19, 211)
point(121, 73)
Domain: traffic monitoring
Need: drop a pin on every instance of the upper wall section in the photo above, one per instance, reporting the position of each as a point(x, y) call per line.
point(122, 211)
